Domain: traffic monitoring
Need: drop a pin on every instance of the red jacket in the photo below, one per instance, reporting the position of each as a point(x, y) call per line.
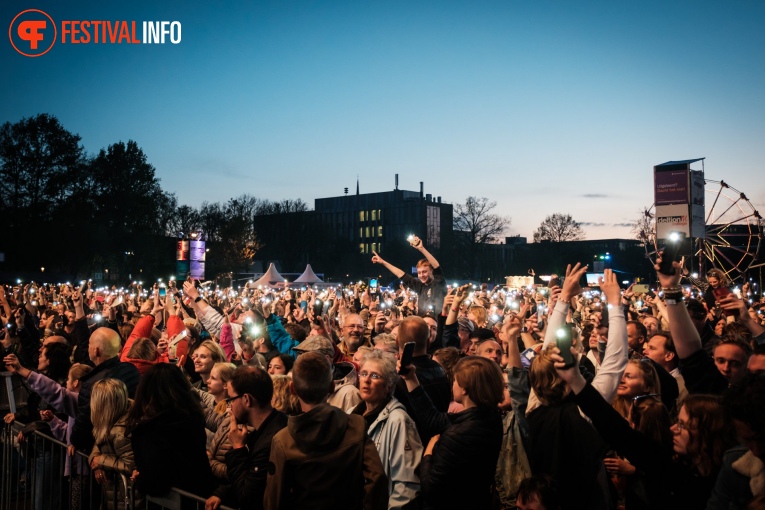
point(141, 330)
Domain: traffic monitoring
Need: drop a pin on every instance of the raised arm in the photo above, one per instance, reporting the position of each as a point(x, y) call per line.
point(571, 288)
point(416, 243)
point(617, 349)
point(376, 259)
point(731, 302)
point(684, 333)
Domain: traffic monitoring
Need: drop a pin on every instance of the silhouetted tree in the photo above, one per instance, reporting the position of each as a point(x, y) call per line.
point(41, 167)
point(644, 228)
point(557, 228)
point(475, 225)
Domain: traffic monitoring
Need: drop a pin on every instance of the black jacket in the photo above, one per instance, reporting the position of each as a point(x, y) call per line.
point(170, 452)
point(430, 295)
point(669, 484)
point(247, 467)
point(701, 374)
point(82, 432)
point(565, 447)
point(460, 472)
point(434, 381)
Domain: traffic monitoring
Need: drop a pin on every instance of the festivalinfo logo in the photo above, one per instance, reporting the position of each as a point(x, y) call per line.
point(34, 32)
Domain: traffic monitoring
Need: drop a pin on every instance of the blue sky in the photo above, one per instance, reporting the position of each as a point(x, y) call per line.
point(541, 106)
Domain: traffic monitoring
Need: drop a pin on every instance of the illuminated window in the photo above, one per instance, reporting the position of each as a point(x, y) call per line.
point(374, 215)
point(379, 214)
point(361, 232)
point(361, 215)
point(367, 231)
point(361, 248)
point(379, 231)
point(374, 246)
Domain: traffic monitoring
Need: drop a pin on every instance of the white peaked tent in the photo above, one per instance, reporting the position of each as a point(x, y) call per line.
point(271, 278)
point(308, 276)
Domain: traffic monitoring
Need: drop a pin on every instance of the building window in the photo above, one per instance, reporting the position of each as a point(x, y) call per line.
point(367, 232)
point(374, 215)
point(361, 232)
point(361, 216)
point(374, 246)
point(379, 231)
point(433, 234)
point(379, 214)
point(361, 248)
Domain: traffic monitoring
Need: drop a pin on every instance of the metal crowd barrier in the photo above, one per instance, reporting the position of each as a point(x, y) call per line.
point(32, 477)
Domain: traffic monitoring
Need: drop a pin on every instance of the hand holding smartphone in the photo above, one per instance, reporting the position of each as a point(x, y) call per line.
point(670, 253)
point(720, 293)
point(564, 341)
point(406, 358)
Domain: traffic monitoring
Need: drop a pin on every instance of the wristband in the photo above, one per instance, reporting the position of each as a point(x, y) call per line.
point(198, 299)
point(672, 290)
point(455, 309)
point(673, 298)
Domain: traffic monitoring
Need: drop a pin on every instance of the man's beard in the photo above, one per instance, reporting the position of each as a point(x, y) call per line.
point(353, 342)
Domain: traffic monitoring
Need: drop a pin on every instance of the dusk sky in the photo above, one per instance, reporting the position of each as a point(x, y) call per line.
point(541, 106)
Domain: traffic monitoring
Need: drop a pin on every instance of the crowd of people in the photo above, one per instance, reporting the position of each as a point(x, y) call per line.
point(424, 395)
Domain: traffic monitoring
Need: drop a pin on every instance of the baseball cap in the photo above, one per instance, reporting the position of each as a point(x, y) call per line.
point(316, 343)
point(466, 324)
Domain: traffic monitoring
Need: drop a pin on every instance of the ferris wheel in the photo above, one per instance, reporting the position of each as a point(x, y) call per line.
point(733, 231)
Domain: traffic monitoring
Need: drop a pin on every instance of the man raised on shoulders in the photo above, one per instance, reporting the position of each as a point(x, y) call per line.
point(429, 285)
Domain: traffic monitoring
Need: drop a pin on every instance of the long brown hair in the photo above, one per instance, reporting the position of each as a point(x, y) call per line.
point(162, 389)
point(711, 433)
point(650, 417)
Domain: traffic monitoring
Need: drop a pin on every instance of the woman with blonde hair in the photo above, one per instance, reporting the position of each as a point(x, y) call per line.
point(205, 357)
point(700, 437)
point(217, 418)
point(283, 399)
point(639, 380)
point(112, 451)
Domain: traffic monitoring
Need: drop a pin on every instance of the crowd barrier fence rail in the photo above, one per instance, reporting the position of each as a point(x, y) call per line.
point(32, 478)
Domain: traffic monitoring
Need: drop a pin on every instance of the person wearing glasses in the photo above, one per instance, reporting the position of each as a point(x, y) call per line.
point(253, 425)
point(323, 458)
point(390, 427)
point(679, 478)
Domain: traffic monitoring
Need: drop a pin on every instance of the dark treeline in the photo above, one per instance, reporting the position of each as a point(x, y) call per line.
point(75, 213)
